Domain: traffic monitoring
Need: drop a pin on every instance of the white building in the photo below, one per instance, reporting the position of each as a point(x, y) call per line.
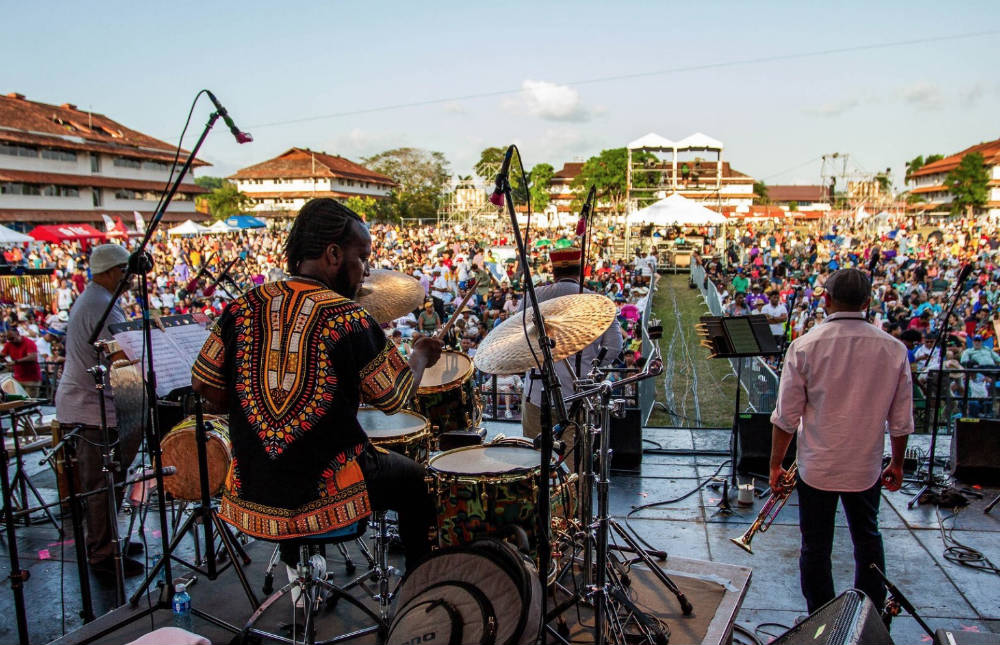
point(929, 181)
point(60, 164)
point(680, 168)
point(282, 185)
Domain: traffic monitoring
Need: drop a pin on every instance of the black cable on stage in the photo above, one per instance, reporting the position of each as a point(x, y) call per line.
point(770, 637)
point(749, 634)
point(958, 553)
point(636, 509)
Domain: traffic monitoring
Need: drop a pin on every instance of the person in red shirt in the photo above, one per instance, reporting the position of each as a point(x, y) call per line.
point(23, 356)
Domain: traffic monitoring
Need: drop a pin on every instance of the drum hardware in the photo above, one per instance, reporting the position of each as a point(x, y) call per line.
point(769, 510)
point(205, 513)
point(20, 482)
point(604, 580)
point(441, 333)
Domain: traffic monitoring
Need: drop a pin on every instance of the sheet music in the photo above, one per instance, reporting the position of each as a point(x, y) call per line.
point(175, 349)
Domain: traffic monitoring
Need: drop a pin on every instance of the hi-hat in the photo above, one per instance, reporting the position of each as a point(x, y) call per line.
point(388, 294)
point(572, 322)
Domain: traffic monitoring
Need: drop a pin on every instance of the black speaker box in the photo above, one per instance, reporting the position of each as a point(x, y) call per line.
point(948, 637)
point(975, 451)
point(753, 444)
point(626, 441)
point(848, 619)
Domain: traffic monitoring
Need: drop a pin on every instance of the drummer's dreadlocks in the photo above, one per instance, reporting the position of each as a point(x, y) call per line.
point(320, 223)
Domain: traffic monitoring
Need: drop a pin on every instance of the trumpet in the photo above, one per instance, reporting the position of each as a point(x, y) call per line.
point(769, 511)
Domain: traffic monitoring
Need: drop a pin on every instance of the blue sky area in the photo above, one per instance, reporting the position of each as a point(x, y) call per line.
point(275, 64)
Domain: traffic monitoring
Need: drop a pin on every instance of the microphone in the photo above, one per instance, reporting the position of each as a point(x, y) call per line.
point(497, 197)
point(581, 226)
point(876, 256)
point(241, 137)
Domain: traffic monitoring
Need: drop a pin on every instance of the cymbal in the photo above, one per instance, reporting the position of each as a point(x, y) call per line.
point(388, 294)
point(573, 322)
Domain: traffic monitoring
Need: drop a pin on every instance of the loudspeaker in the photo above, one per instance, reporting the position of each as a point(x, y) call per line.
point(626, 441)
point(948, 637)
point(753, 444)
point(848, 619)
point(975, 451)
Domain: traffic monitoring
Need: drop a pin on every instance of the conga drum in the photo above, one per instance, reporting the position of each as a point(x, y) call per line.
point(180, 450)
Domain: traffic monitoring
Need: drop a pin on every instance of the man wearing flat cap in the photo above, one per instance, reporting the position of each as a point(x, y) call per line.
point(77, 405)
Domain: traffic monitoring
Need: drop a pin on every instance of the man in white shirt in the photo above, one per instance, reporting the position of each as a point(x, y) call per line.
point(776, 314)
point(843, 386)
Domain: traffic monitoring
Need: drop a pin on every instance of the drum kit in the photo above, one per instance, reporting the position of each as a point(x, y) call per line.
point(491, 491)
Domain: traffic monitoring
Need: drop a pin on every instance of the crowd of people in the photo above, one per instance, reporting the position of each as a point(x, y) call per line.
point(779, 271)
point(199, 274)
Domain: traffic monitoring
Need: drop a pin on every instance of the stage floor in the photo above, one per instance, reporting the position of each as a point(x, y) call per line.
point(946, 594)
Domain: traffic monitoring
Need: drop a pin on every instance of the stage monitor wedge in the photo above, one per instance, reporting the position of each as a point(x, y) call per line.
point(848, 619)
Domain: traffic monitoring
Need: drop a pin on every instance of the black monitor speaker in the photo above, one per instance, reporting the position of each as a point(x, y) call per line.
point(753, 444)
point(848, 619)
point(626, 441)
point(975, 451)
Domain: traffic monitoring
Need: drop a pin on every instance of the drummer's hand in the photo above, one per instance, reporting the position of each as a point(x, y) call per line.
point(428, 348)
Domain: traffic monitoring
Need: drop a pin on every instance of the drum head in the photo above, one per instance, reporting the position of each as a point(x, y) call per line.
point(380, 426)
point(451, 369)
point(487, 460)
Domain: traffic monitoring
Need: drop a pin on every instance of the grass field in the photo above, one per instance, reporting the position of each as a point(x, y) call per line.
point(691, 386)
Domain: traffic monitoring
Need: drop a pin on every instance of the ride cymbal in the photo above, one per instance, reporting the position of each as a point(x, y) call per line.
point(388, 294)
point(572, 322)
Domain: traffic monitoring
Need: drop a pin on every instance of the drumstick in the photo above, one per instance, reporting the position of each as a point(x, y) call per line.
point(451, 321)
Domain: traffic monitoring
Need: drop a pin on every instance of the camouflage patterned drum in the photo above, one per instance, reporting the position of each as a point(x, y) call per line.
point(490, 491)
point(405, 432)
point(447, 394)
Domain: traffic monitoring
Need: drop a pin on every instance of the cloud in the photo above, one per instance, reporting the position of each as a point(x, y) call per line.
point(548, 101)
point(833, 108)
point(454, 108)
point(557, 145)
point(361, 143)
point(972, 96)
point(922, 95)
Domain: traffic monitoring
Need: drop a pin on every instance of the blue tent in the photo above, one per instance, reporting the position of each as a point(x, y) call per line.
point(245, 221)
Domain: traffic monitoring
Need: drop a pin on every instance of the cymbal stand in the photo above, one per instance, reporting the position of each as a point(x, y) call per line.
point(17, 575)
point(20, 482)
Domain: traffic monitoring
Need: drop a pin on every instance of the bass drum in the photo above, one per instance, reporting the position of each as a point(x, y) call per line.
point(447, 394)
point(484, 593)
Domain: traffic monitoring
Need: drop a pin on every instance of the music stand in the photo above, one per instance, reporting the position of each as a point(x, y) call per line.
point(736, 337)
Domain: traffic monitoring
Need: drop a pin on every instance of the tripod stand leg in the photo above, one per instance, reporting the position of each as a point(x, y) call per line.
point(990, 506)
point(234, 549)
point(686, 605)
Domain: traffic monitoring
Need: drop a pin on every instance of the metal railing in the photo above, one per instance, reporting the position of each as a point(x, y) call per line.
point(647, 387)
point(969, 393)
point(757, 379)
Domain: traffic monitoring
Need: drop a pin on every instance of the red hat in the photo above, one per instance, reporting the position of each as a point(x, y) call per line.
point(567, 257)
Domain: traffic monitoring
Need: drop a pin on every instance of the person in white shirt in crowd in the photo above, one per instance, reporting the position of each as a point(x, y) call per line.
point(776, 314)
point(509, 388)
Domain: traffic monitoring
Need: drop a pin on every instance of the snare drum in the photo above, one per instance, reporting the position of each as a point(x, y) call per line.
point(488, 490)
point(405, 432)
point(180, 449)
point(447, 394)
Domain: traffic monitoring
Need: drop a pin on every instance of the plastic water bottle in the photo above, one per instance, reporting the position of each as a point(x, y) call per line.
point(181, 605)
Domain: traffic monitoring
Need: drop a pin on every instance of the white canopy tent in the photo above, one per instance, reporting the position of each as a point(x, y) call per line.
point(10, 236)
point(676, 209)
point(189, 227)
point(221, 227)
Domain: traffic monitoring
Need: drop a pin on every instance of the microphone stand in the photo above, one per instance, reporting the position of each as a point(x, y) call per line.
point(551, 395)
point(930, 482)
point(585, 215)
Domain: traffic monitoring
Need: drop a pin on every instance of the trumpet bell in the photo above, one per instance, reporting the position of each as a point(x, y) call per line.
point(742, 543)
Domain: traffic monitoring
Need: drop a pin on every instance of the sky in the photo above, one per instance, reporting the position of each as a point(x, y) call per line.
point(562, 80)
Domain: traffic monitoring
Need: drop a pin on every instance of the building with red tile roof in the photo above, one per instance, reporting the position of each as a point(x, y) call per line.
point(59, 163)
point(281, 186)
point(805, 197)
point(929, 182)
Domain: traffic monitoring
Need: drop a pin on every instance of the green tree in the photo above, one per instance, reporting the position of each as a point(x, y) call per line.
point(211, 183)
point(967, 183)
point(541, 177)
point(607, 172)
point(793, 206)
point(364, 206)
point(760, 193)
point(421, 178)
point(489, 164)
point(918, 162)
point(226, 201)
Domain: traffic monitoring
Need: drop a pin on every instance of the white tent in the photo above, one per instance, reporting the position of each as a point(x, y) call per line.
point(676, 209)
point(221, 227)
point(189, 227)
point(10, 236)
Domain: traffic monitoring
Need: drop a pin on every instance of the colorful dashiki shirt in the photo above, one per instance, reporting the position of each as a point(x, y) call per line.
point(296, 359)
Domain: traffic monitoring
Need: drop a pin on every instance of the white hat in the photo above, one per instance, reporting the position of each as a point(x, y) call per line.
point(107, 256)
